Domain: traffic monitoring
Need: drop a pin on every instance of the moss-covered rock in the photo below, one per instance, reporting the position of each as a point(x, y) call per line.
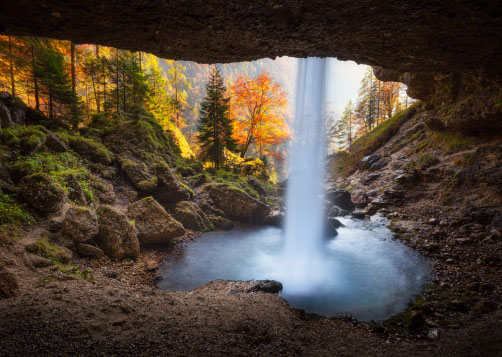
point(49, 250)
point(103, 190)
point(42, 193)
point(116, 235)
point(237, 204)
point(80, 225)
point(220, 222)
point(153, 223)
point(170, 189)
point(90, 149)
point(192, 217)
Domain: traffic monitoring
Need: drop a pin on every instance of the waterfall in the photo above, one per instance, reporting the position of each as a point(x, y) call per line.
point(304, 223)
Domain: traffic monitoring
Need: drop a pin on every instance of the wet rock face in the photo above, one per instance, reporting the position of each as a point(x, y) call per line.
point(406, 36)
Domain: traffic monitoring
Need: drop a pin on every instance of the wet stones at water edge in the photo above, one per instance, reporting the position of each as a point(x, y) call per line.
point(237, 204)
point(341, 199)
point(229, 287)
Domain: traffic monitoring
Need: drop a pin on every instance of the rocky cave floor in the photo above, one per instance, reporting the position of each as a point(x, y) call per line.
point(122, 312)
point(448, 209)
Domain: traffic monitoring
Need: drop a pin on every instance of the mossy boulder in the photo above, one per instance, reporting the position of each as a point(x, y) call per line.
point(116, 236)
point(91, 149)
point(80, 225)
point(237, 204)
point(42, 193)
point(192, 217)
point(170, 189)
point(153, 223)
point(220, 222)
point(103, 190)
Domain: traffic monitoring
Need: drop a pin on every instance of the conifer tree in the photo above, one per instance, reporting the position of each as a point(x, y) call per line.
point(215, 126)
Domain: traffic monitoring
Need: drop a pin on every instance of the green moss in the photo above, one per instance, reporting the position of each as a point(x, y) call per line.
point(58, 166)
point(451, 142)
point(48, 250)
point(76, 270)
point(23, 138)
point(89, 148)
point(10, 234)
point(422, 162)
point(12, 212)
point(148, 185)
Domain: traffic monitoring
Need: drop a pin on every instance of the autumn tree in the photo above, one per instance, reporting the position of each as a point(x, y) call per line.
point(215, 127)
point(256, 106)
point(179, 85)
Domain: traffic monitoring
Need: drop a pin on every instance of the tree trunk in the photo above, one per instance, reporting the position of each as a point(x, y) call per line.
point(51, 108)
point(35, 82)
point(11, 63)
point(73, 73)
point(96, 97)
point(117, 79)
point(87, 103)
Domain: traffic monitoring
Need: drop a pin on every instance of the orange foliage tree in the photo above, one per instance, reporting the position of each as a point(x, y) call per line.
point(256, 108)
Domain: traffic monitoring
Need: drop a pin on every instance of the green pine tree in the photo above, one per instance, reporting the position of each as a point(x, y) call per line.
point(56, 85)
point(215, 126)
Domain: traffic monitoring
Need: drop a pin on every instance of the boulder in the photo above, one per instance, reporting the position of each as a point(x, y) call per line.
point(9, 286)
point(367, 161)
point(366, 180)
point(330, 227)
point(237, 204)
point(5, 117)
point(153, 223)
point(360, 198)
point(276, 219)
point(88, 250)
point(378, 165)
point(116, 235)
point(42, 193)
point(192, 217)
point(53, 142)
point(220, 222)
point(340, 198)
point(170, 189)
point(6, 183)
point(80, 225)
point(103, 190)
point(76, 193)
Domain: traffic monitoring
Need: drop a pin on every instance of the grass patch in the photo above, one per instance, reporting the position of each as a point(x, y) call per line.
point(12, 212)
point(422, 162)
point(451, 142)
point(44, 248)
point(346, 162)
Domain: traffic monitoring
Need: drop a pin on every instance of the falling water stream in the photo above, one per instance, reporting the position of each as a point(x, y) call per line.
point(362, 272)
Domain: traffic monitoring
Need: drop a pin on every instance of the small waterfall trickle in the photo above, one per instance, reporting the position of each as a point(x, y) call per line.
point(304, 213)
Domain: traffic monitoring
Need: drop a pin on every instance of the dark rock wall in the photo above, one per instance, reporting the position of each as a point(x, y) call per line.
point(406, 36)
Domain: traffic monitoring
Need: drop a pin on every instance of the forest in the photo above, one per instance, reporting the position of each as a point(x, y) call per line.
point(78, 83)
